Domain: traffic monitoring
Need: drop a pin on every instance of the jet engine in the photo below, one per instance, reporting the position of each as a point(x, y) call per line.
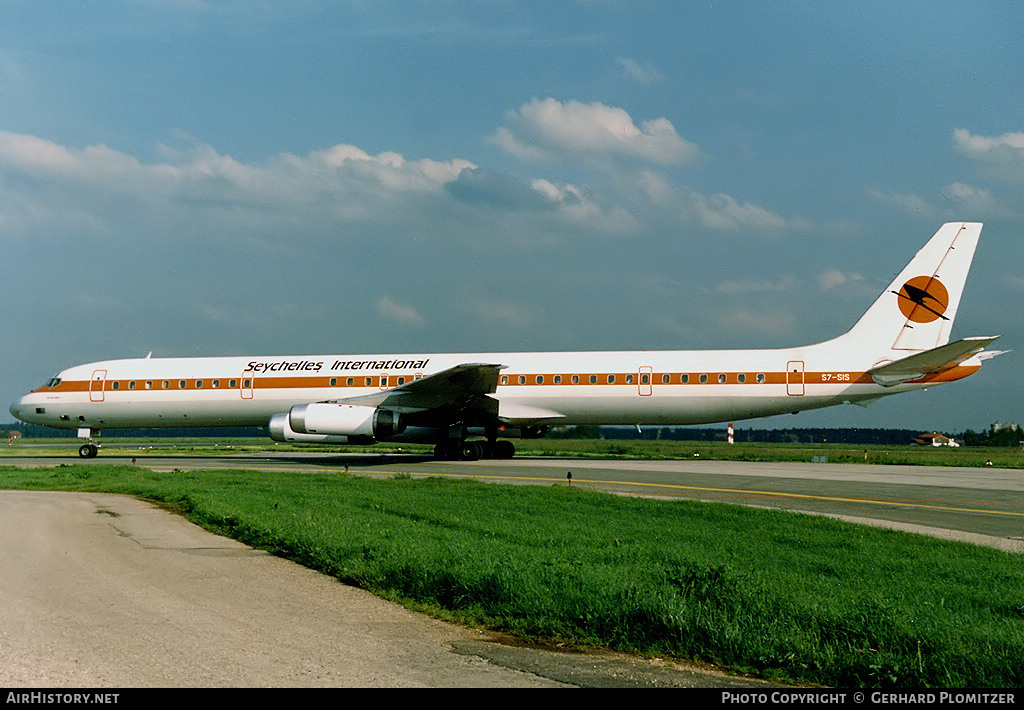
point(280, 430)
point(351, 420)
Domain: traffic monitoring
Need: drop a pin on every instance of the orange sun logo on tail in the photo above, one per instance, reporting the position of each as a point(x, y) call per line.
point(923, 299)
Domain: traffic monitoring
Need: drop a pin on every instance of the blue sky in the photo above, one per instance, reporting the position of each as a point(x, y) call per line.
point(220, 178)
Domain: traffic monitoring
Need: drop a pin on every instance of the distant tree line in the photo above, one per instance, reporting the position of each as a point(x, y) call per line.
point(992, 437)
point(822, 435)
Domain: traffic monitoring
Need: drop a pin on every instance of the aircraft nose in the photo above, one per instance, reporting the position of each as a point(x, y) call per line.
point(18, 408)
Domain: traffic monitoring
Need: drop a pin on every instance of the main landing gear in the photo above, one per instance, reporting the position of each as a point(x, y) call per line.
point(473, 450)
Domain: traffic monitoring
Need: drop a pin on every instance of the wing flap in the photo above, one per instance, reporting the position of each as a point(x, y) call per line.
point(929, 362)
point(514, 413)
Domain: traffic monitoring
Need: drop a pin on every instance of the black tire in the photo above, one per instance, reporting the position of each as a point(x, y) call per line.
point(470, 451)
point(504, 449)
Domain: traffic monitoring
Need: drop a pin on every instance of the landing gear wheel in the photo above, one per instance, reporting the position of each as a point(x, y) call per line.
point(503, 449)
point(470, 450)
point(88, 451)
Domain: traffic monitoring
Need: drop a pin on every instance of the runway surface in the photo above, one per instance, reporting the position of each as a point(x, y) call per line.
point(108, 591)
point(980, 505)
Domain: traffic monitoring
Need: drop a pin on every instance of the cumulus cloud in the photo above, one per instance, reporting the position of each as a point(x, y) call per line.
point(543, 129)
point(192, 186)
point(1003, 154)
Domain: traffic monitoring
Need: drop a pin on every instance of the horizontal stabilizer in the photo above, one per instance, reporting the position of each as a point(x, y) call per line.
point(928, 362)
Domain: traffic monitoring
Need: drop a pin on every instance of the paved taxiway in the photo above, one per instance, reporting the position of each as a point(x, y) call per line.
point(108, 591)
point(980, 505)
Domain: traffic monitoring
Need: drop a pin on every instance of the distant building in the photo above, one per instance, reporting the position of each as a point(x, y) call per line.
point(996, 427)
point(935, 439)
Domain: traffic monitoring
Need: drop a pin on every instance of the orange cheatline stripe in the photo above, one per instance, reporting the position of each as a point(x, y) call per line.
point(342, 382)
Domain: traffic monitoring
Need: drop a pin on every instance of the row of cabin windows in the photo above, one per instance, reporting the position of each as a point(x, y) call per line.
point(247, 383)
point(182, 384)
point(645, 379)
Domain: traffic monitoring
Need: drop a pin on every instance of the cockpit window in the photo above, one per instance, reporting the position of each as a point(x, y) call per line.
point(54, 381)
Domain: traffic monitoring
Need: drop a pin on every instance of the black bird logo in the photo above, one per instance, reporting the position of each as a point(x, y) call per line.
point(918, 296)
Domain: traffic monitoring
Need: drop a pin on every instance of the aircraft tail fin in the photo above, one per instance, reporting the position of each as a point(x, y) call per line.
point(916, 311)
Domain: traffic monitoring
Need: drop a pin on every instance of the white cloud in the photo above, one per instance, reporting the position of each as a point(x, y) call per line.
point(911, 204)
point(642, 73)
point(1004, 154)
point(724, 212)
point(833, 278)
point(738, 287)
point(400, 312)
point(546, 128)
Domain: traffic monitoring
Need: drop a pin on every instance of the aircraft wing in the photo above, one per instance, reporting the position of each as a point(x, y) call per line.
point(928, 362)
point(458, 393)
point(453, 388)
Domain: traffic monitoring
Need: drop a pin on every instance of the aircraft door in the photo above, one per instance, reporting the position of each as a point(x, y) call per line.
point(246, 384)
point(644, 379)
point(795, 378)
point(96, 384)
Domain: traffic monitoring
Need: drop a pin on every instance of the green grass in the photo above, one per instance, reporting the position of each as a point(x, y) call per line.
point(781, 595)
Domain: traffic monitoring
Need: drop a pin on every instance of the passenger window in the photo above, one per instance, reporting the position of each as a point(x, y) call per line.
point(199, 384)
point(760, 378)
point(334, 382)
point(575, 379)
point(215, 384)
point(540, 379)
point(703, 379)
point(131, 384)
point(611, 379)
point(684, 378)
point(665, 379)
point(349, 382)
point(629, 379)
point(741, 378)
point(558, 379)
point(232, 383)
point(115, 385)
point(181, 384)
point(165, 384)
point(722, 378)
point(593, 379)
point(149, 384)
point(522, 379)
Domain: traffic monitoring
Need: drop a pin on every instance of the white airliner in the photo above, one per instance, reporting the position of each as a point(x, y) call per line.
point(900, 344)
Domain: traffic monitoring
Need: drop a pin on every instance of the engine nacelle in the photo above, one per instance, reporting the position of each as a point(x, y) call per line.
point(280, 430)
point(349, 420)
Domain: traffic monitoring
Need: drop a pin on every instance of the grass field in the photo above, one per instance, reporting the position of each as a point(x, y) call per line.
point(784, 596)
